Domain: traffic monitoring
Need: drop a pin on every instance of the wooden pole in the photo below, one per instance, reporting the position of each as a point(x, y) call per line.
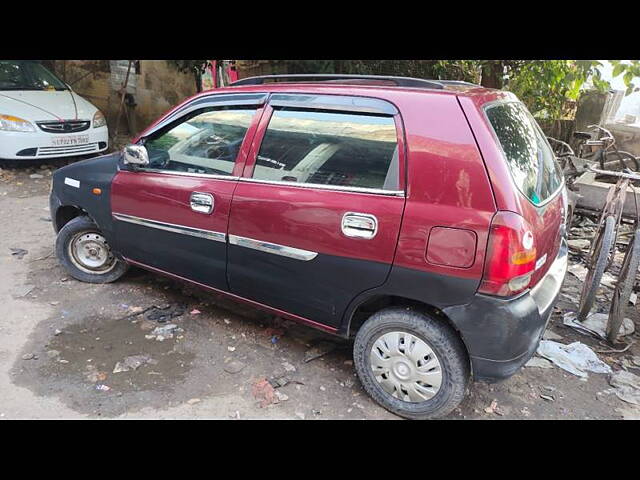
point(123, 92)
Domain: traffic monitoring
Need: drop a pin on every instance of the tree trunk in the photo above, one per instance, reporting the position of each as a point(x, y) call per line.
point(198, 79)
point(492, 72)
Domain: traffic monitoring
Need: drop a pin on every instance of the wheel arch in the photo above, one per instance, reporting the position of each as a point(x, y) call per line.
point(363, 308)
point(64, 214)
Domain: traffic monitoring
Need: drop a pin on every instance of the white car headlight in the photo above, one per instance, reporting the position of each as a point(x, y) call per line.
point(15, 124)
point(99, 120)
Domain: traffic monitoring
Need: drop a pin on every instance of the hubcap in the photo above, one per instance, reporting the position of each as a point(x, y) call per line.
point(406, 367)
point(90, 252)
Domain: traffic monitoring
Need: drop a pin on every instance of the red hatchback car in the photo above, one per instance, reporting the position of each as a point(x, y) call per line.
point(423, 219)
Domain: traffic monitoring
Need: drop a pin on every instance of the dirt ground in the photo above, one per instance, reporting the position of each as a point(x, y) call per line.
point(60, 341)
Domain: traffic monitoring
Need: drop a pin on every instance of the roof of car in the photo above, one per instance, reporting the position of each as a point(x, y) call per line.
point(356, 88)
point(381, 81)
point(377, 87)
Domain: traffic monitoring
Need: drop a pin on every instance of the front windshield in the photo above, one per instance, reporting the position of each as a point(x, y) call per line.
point(27, 75)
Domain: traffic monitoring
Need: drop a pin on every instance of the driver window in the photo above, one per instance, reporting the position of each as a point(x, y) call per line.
point(208, 141)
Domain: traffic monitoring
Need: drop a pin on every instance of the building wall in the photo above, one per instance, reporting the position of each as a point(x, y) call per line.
point(254, 68)
point(156, 87)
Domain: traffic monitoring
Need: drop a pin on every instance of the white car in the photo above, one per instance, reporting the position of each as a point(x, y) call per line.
point(41, 117)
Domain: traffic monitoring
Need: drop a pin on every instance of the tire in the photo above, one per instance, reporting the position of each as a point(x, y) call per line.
point(82, 231)
point(417, 329)
point(601, 249)
point(622, 292)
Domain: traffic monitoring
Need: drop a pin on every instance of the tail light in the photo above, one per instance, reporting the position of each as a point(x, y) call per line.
point(511, 255)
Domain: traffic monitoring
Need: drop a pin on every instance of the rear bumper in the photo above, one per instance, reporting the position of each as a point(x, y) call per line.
point(502, 334)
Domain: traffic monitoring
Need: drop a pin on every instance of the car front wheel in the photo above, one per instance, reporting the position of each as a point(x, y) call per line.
point(85, 254)
point(412, 364)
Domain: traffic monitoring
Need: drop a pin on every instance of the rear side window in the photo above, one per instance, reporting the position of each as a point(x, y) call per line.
point(530, 158)
point(328, 148)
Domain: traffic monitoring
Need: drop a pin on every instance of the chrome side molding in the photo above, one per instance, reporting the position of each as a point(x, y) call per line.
point(171, 227)
point(283, 250)
point(186, 174)
point(321, 186)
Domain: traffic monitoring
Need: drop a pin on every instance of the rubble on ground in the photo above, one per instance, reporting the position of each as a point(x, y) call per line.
point(164, 332)
point(319, 350)
point(627, 386)
point(133, 362)
point(596, 324)
point(575, 358)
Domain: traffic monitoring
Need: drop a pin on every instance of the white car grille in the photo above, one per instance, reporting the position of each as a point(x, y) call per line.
point(66, 126)
point(67, 149)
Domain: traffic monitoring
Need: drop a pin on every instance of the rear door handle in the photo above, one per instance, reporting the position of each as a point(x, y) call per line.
point(359, 225)
point(201, 202)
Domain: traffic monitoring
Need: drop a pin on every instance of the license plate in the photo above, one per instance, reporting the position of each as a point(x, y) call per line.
point(70, 140)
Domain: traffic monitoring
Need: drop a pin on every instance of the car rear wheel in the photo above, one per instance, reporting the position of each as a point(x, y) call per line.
point(411, 363)
point(85, 254)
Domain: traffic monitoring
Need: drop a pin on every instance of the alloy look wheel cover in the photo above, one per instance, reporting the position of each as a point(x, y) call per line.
point(406, 367)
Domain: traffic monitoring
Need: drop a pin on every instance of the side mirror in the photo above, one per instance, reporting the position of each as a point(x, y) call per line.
point(135, 155)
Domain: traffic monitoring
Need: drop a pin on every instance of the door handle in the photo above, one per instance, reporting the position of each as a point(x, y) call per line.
point(201, 202)
point(359, 225)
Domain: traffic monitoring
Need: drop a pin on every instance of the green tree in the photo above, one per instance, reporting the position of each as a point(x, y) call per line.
point(193, 67)
point(630, 71)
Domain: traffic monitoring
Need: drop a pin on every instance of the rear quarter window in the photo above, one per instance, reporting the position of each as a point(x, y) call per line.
point(526, 150)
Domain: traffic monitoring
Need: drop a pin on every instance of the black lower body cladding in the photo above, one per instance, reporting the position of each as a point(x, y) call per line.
point(319, 290)
point(500, 334)
point(73, 187)
point(422, 286)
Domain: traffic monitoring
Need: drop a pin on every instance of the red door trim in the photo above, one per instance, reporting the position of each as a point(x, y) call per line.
point(402, 154)
point(250, 160)
point(247, 142)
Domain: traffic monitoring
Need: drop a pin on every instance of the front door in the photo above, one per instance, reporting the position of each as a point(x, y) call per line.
point(173, 215)
point(315, 219)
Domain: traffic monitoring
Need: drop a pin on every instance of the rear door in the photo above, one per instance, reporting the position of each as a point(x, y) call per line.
point(173, 215)
point(315, 219)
